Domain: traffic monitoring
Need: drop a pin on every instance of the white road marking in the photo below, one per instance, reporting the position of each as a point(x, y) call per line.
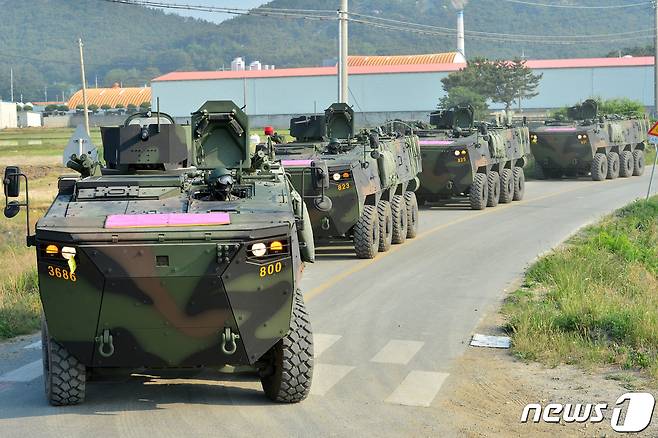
point(26, 373)
point(418, 389)
point(398, 352)
point(33, 346)
point(322, 342)
point(326, 376)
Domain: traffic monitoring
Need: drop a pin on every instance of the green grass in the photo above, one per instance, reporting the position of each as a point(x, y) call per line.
point(38, 141)
point(594, 302)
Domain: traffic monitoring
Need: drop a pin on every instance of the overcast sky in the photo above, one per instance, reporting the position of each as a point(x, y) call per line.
point(242, 4)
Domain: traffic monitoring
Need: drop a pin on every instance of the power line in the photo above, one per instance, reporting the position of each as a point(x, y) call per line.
point(452, 31)
point(547, 5)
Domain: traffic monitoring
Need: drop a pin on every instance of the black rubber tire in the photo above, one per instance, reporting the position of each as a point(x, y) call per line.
point(613, 165)
point(638, 162)
point(599, 167)
point(64, 377)
point(493, 186)
point(506, 186)
point(400, 224)
point(479, 193)
point(385, 225)
point(412, 214)
point(626, 164)
point(519, 183)
point(292, 359)
point(366, 233)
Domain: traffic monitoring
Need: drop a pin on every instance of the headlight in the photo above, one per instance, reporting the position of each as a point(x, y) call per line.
point(68, 252)
point(259, 249)
point(463, 152)
point(336, 176)
point(580, 136)
point(457, 153)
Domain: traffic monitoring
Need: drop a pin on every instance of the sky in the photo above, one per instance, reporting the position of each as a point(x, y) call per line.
point(242, 4)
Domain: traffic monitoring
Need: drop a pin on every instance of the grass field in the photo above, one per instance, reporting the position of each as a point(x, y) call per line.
point(38, 141)
point(594, 301)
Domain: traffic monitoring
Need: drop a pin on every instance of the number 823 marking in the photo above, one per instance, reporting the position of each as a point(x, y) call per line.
point(272, 268)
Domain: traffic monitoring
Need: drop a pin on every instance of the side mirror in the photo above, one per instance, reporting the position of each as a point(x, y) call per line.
point(375, 154)
point(12, 209)
point(12, 182)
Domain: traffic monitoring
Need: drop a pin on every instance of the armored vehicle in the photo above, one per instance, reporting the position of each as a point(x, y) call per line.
point(358, 186)
point(145, 264)
point(604, 147)
point(484, 163)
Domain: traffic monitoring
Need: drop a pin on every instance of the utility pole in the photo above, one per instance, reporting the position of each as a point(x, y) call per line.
point(84, 86)
point(45, 93)
point(343, 48)
point(655, 62)
point(11, 83)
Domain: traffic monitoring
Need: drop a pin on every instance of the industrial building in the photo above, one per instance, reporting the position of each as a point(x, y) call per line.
point(383, 87)
point(8, 115)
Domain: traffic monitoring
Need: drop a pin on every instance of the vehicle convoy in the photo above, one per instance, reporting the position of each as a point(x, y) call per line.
point(602, 146)
point(357, 186)
point(484, 163)
point(165, 259)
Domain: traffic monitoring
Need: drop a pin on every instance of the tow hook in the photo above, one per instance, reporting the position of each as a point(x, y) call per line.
point(105, 340)
point(229, 347)
point(325, 223)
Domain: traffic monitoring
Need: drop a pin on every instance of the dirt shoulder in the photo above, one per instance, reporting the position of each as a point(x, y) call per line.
point(488, 389)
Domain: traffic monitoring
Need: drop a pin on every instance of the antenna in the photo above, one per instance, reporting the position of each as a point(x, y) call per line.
point(158, 116)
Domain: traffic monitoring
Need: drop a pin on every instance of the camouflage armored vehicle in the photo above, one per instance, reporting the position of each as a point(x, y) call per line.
point(604, 147)
point(145, 264)
point(484, 163)
point(357, 186)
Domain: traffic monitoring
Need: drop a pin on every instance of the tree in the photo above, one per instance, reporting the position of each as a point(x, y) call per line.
point(27, 108)
point(63, 108)
point(513, 81)
point(131, 108)
point(498, 81)
point(145, 106)
point(93, 108)
point(466, 96)
point(50, 108)
point(105, 107)
point(119, 106)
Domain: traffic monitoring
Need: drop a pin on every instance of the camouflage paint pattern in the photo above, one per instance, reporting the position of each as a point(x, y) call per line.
point(570, 147)
point(355, 177)
point(450, 162)
point(167, 294)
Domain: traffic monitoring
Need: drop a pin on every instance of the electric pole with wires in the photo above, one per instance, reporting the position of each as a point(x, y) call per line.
point(343, 48)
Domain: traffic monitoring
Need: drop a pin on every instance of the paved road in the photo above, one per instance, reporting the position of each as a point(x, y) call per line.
point(387, 333)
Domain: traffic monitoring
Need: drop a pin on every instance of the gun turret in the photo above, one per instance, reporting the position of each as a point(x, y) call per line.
point(143, 143)
point(337, 122)
point(587, 110)
point(458, 117)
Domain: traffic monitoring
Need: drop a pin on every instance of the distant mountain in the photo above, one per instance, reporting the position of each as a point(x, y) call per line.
point(132, 44)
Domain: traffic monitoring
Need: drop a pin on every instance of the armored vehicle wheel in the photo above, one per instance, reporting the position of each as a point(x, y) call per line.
point(385, 225)
point(64, 376)
point(519, 183)
point(613, 165)
point(291, 359)
point(638, 162)
point(506, 186)
point(366, 233)
point(493, 185)
point(479, 192)
point(400, 224)
point(626, 164)
point(599, 167)
point(412, 214)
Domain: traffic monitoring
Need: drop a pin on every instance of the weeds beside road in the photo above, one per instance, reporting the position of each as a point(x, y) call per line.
point(594, 301)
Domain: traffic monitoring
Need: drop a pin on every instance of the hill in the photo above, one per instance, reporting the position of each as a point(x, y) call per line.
point(132, 44)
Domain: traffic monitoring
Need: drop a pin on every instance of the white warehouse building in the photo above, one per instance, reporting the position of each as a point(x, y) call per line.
point(383, 87)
